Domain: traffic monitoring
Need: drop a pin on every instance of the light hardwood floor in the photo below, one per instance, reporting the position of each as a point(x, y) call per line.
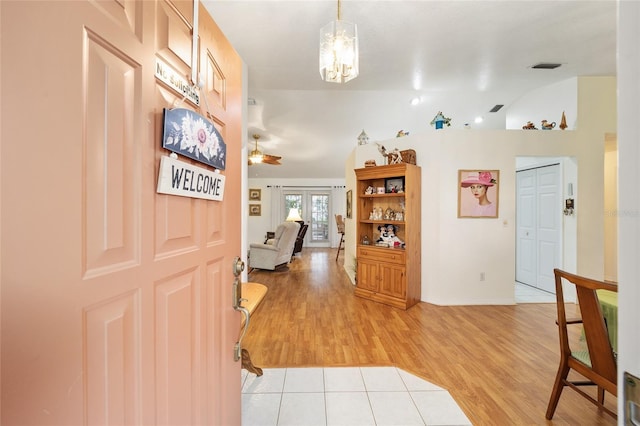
point(498, 362)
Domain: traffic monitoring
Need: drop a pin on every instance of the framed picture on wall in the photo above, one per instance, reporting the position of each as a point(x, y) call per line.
point(478, 193)
point(349, 201)
point(255, 210)
point(255, 194)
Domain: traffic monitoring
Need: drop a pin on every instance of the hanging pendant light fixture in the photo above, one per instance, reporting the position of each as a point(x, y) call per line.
point(339, 51)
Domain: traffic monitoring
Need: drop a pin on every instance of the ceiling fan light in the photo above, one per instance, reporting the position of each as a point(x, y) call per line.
point(256, 156)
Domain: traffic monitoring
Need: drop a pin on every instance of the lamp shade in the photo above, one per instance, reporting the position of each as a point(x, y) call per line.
point(294, 215)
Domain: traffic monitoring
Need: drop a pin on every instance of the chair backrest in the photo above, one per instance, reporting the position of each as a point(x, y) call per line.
point(300, 239)
point(601, 356)
point(286, 234)
point(340, 223)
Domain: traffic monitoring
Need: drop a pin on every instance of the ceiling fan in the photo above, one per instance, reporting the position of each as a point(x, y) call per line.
point(256, 156)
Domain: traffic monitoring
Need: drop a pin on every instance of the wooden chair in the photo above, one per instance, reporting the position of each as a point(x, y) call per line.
point(340, 225)
point(297, 248)
point(597, 363)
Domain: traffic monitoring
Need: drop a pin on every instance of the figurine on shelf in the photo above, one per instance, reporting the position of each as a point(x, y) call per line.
point(563, 122)
point(439, 121)
point(529, 126)
point(388, 236)
point(370, 190)
point(376, 214)
point(389, 214)
point(394, 157)
point(363, 138)
point(546, 125)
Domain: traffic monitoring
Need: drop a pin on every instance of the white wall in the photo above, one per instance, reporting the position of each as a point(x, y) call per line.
point(455, 251)
point(535, 106)
point(350, 236)
point(610, 209)
point(629, 193)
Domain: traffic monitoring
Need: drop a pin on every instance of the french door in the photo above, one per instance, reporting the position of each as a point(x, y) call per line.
point(315, 209)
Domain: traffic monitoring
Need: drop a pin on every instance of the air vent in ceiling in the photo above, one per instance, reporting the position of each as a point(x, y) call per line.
point(545, 66)
point(496, 108)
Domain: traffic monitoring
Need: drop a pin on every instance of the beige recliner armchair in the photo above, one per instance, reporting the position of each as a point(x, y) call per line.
point(277, 251)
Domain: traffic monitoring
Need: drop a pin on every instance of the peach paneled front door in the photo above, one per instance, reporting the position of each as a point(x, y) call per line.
point(116, 300)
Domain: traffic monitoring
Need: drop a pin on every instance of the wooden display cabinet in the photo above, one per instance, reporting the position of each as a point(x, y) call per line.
point(388, 274)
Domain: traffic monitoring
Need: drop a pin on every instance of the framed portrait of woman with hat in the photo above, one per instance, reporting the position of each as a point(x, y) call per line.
point(478, 193)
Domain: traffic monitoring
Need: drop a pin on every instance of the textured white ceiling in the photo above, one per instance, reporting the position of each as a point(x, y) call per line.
point(461, 57)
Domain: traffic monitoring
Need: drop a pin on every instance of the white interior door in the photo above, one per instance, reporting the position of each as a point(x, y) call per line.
point(539, 226)
point(549, 223)
point(526, 210)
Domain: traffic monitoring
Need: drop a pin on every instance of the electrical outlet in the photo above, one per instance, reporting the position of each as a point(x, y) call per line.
point(481, 276)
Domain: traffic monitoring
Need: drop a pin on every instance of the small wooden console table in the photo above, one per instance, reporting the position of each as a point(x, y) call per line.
point(253, 294)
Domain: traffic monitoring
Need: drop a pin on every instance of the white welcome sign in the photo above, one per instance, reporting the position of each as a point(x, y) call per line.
point(179, 178)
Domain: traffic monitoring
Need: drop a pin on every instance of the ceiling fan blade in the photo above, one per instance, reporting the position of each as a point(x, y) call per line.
point(272, 159)
point(268, 159)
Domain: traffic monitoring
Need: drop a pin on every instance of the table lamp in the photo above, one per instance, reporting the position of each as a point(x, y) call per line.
point(294, 215)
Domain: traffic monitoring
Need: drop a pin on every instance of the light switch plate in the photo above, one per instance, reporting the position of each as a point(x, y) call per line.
point(631, 400)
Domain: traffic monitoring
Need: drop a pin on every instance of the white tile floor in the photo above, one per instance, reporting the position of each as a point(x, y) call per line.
point(347, 396)
point(528, 294)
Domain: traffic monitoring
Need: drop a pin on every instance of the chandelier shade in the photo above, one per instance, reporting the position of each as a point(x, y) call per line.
point(339, 51)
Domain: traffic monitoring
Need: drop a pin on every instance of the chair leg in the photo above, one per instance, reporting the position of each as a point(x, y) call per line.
point(558, 386)
point(601, 395)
